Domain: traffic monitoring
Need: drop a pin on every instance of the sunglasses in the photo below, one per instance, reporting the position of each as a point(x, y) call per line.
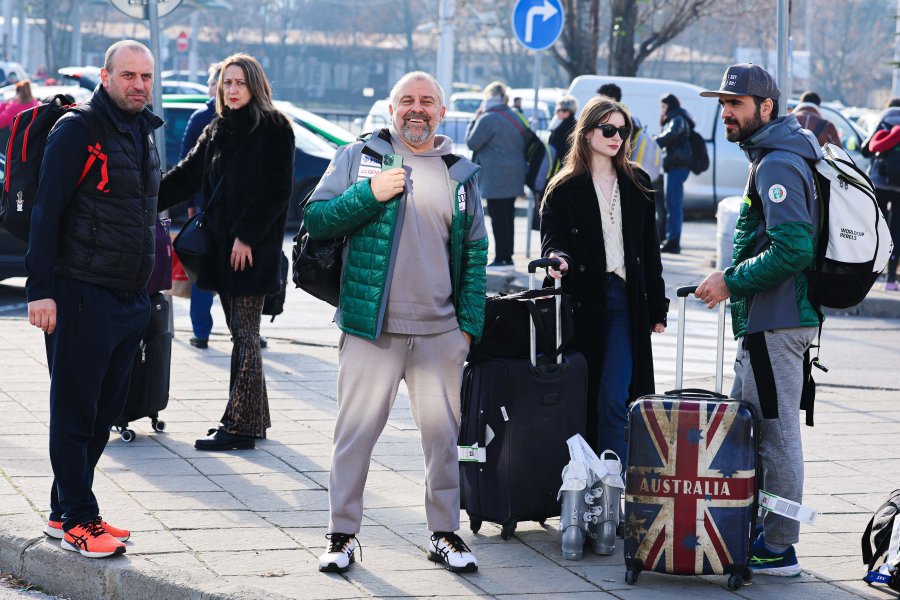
point(610, 130)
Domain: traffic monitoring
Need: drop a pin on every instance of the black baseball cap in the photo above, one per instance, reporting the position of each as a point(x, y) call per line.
point(746, 79)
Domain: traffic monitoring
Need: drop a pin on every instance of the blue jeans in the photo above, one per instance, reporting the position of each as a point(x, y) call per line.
point(201, 312)
point(615, 375)
point(675, 203)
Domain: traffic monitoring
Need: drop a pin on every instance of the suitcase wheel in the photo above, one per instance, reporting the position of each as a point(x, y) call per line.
point(158, 425)
point(735, 582)
point(631, 576)
point(475, 525)
point(507, 530)
point(127, 435)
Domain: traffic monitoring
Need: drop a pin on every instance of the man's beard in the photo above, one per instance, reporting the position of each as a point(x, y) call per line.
point(416, 138)
point(744, 130)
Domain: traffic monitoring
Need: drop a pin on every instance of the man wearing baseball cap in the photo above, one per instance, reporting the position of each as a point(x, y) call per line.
point(772, 316)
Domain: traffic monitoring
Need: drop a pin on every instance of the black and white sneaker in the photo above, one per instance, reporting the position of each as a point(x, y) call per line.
point(447, 548)
point(339, 553)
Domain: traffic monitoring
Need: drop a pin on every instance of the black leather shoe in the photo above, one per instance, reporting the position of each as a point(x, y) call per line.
point(219, 439)
point(263, 342)
point(198, 343)
point(671, 247)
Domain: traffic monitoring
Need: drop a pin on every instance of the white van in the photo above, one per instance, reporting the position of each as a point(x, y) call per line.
point(728, 166)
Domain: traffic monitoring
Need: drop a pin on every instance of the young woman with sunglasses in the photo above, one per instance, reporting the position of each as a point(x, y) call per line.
point(598, 217)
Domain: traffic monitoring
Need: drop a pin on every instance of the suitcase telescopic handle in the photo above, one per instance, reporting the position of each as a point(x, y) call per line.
point(533, 266)
point(683, 293)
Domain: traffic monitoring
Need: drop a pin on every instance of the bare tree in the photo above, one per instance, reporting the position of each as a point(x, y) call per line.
point(580, 37)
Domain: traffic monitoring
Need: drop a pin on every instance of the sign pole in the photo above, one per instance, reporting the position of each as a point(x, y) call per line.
point(537, 24)
point(535, 121)
point(160, 134)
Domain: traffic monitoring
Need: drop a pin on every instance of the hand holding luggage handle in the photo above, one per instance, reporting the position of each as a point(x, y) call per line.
point(533, 266)
point(683, 293)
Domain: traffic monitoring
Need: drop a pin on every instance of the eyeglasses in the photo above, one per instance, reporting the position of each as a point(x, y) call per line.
point(610, 130)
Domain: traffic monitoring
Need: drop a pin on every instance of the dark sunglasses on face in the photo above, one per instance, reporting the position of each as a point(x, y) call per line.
point(610, 130)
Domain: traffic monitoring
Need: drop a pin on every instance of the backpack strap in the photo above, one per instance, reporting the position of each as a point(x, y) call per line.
point(508, 118)
point(820, 127)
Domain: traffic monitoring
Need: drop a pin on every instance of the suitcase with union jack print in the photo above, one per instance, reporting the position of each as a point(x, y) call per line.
point(691, 479)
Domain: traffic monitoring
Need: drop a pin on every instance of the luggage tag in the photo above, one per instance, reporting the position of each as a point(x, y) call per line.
point(787, 508)
point(473, 453)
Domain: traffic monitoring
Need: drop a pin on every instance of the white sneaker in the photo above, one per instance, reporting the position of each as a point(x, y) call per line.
point(338, 555)
point(447, 548)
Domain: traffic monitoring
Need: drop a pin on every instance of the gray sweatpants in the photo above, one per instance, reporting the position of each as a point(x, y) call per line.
point(368, 377)
point(780, 443)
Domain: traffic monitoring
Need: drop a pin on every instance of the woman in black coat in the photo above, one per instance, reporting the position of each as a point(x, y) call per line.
point(248, 153)
point(598, 217)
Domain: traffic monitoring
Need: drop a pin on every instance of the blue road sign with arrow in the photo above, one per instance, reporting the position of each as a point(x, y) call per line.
point(537, 23)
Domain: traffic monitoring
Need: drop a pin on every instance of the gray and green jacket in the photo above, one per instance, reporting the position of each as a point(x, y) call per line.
point(775, 240)
point(343, 205)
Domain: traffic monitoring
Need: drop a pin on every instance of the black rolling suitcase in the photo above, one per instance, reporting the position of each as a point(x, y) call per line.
point(691, 488)
point(516, 418)
point(148, 392)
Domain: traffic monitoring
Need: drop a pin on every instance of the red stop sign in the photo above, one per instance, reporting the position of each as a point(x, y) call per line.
point(181, 42)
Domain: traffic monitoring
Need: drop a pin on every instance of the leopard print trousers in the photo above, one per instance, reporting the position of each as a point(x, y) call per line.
point(247, 412)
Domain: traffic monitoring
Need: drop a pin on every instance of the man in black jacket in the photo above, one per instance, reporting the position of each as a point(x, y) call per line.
point(90, 255)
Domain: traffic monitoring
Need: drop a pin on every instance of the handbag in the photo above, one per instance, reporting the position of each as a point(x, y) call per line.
point(193, 245)
point(317, 266)
point(506, 331)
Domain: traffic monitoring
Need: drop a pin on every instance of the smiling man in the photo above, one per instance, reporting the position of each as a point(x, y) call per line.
point(90, 255)
point(411, 301)
point(771, 313)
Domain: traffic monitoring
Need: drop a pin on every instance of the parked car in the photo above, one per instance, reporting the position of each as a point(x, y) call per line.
point(470, 101)
point(312, 154)
point(11, 72)
point(43, 92)
point(311, 157)
point(325, 129)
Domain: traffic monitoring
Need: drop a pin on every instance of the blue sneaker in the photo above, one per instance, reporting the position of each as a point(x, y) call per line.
point(766, 562)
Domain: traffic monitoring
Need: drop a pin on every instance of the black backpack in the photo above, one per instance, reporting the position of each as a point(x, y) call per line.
point(877, 539)
point(699, 155)
point(24, 154)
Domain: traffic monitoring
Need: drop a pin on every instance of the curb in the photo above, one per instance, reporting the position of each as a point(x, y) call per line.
point(37, 560)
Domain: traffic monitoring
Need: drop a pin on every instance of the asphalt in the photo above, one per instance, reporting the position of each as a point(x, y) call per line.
point(250, 524)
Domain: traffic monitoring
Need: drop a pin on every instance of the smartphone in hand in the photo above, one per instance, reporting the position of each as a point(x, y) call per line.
point(391, 161)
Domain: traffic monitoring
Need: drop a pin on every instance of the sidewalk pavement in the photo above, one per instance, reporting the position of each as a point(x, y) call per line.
point(250, 524)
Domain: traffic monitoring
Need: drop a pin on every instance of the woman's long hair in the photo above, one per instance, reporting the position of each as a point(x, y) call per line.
point(23, 91)
point(578, 160)
point(260, 105)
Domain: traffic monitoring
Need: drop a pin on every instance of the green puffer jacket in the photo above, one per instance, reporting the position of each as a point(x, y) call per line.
point(343, 204)
point(774, 238)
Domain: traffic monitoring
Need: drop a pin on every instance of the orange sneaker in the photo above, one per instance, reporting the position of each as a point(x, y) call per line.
point(92, 541)
point(55, 530)
point(117, 532)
